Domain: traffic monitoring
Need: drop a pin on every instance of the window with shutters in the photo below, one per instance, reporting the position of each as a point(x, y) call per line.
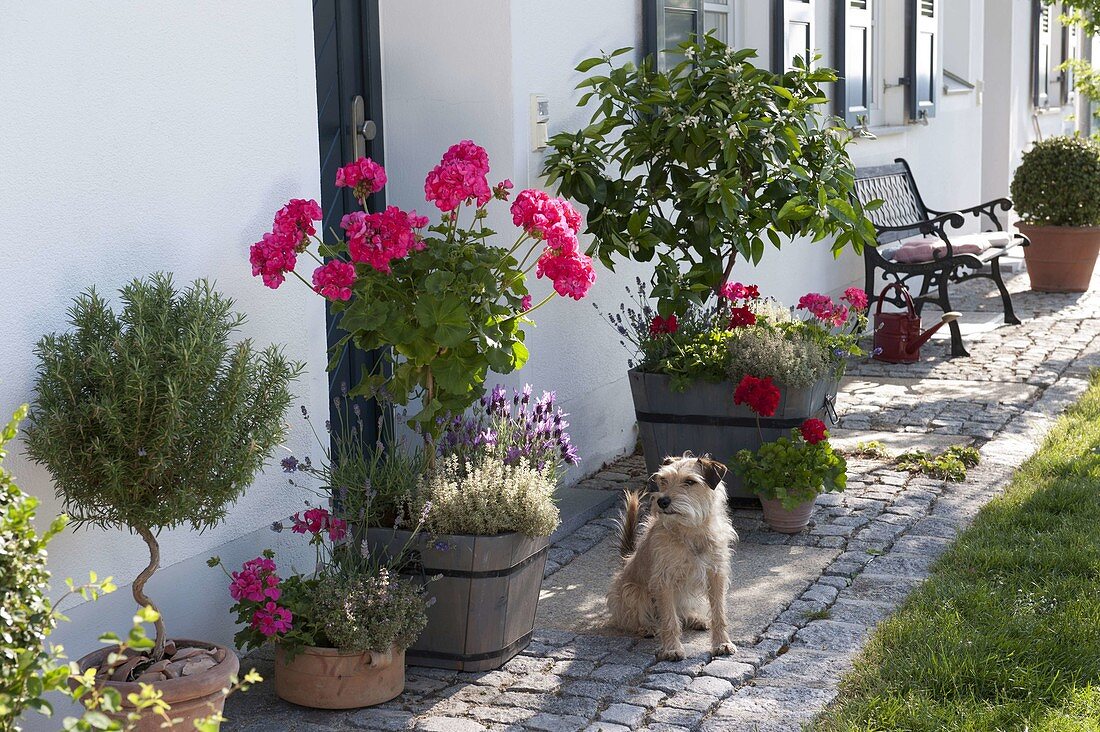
point(1040, 53)
point(856, 56)
point(792, 32)
point(922, 57)
point(668, 23)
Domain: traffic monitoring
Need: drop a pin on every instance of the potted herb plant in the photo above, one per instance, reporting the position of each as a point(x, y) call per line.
point(789, 473)
point(150, 419)
point(340, 630)
point(489, 510)
point(684, 369)
point(443, 302)
point(1056, 192)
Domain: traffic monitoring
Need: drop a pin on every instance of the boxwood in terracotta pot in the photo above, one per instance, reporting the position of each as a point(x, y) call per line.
point(1056, 191)
point(151, 418)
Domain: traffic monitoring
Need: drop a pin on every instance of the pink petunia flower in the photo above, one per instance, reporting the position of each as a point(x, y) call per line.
point(334, 280)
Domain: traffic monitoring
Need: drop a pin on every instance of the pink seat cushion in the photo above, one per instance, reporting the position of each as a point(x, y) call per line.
point(919, 250)
point(927, 249)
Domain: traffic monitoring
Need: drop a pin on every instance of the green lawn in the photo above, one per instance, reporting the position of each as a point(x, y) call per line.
point(1005, 635)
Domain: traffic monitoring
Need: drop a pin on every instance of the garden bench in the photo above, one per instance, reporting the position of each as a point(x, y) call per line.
point(912, 242)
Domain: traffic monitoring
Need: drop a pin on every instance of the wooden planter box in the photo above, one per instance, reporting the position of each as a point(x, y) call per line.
point(704, 419)
point(485, 598)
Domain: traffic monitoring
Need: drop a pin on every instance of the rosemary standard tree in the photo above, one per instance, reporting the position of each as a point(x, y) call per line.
point(151, 418)
point(705, 163)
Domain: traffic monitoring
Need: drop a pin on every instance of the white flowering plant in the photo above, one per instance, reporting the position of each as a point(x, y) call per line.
point(486, 496)
point(706, 163)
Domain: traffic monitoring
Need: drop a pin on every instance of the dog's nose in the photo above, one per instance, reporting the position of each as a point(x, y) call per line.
point(664, 502)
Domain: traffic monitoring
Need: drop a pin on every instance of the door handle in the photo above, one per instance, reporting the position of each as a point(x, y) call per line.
point(363, 130)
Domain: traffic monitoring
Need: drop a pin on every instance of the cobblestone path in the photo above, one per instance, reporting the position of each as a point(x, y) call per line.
point(886, 530)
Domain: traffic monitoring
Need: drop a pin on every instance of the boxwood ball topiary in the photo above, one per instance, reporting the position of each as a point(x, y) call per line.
point(151, 418)
point(1058, 183)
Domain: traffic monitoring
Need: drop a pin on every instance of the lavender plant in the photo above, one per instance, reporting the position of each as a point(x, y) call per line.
point(517, 430)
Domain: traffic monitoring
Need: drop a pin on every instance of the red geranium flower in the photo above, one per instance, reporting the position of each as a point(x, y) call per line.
point(813, 431)
point(741, 316)
point(761, 395)
point(661, 325)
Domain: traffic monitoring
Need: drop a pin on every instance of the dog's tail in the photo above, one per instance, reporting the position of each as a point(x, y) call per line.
point(629, 522)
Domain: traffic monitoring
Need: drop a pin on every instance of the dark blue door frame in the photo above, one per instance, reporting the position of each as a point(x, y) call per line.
point(348, 57)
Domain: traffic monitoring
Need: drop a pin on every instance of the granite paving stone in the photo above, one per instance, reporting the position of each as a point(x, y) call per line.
point(800, 606)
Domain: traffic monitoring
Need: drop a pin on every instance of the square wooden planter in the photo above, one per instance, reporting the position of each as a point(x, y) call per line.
point(486, 595)
point(704, 419)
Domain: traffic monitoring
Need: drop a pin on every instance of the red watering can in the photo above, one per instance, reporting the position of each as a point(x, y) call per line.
point(898, 336)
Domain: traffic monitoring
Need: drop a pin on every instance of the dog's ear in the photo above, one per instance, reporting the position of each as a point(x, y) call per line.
point(713, 471)
point(669, 460)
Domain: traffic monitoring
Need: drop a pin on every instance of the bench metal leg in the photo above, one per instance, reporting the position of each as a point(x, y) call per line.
point(924, 283)
point(1006, 298)
point(958, 350)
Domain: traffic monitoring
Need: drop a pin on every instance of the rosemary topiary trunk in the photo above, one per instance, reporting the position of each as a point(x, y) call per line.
point(152, 418)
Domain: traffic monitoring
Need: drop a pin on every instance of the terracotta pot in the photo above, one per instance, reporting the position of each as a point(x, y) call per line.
point(786, 521)
point(191, 697)
point(328, 678)
point(1061, 258)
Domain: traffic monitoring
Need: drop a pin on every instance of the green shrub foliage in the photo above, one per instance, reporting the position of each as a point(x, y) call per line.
point(25, 617)
point(708, 162)
point(1058, 183)
point(151, 418)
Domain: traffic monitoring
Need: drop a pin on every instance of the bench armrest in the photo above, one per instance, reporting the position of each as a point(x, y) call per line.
point(987, 209)
point(932, 227)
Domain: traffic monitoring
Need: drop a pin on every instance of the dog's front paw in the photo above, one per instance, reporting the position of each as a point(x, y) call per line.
point(671, 654)
point(723, 649)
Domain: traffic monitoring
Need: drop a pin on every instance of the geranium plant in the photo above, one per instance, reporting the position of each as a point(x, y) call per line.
point(706, 164)
point(350, 600)
point(795, 469)
point(447, 303)
point(743, 334)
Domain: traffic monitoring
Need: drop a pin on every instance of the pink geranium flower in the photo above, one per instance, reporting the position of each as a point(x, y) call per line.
point(337, 529)
point(571, 272)
point(855, 297)
point(824, 309)
point(334, 280)
point(313, 522)
point(272, 620)
point(364, 176)
point(379, 238)
point(272, 257)
point(256, 581)
point(294, 222)
point(461, 176)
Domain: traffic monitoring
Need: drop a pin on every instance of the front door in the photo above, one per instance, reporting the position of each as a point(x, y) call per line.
point(349, 121)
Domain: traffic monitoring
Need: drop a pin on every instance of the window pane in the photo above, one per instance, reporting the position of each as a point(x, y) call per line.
point(717, 22)
point(679, 25)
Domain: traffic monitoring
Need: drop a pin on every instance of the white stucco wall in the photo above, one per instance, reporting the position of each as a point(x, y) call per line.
point(138, 138)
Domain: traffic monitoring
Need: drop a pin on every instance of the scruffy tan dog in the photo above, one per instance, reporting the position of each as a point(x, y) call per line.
point(676, 558)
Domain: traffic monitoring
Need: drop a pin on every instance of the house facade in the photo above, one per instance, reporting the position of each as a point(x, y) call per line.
point(138, 137)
